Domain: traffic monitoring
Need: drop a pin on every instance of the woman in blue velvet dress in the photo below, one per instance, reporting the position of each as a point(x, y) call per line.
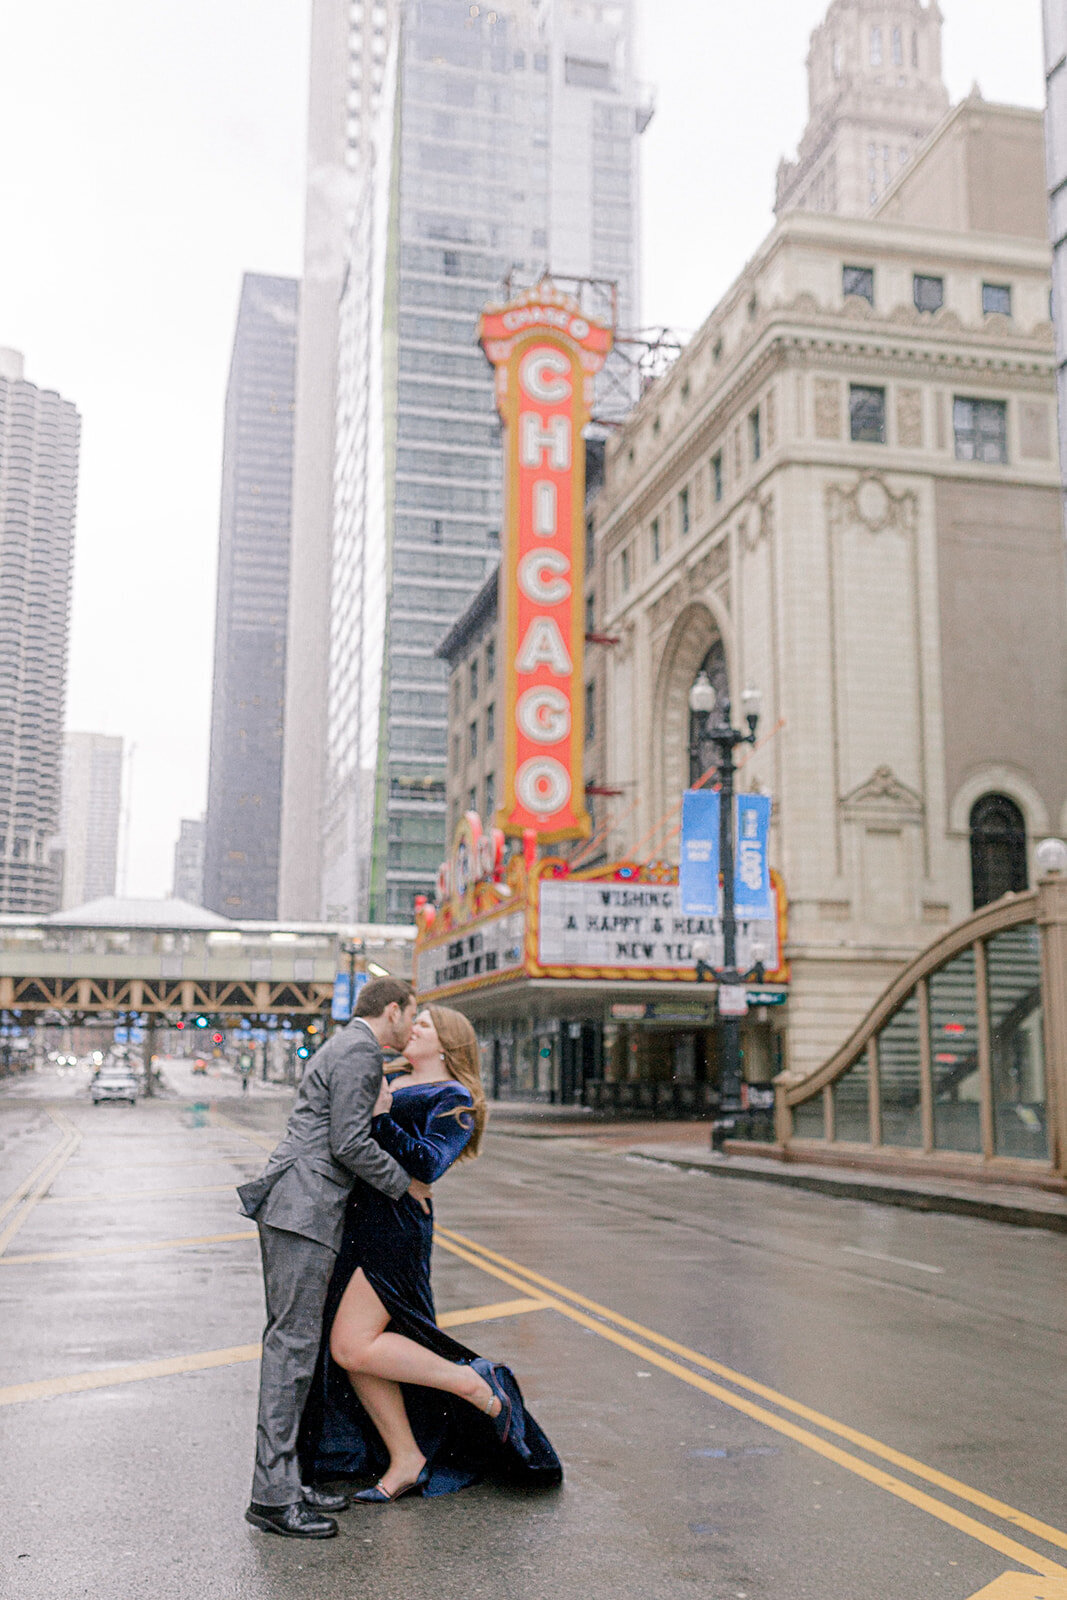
point(394, 1396)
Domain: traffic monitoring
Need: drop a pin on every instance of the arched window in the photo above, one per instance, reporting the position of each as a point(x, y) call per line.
point(714, 664)
point(998, 849)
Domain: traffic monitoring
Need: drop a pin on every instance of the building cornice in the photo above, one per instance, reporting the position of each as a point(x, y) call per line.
point(897, 347)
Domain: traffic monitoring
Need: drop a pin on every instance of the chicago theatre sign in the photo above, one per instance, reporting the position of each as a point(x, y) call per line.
point(546, 355)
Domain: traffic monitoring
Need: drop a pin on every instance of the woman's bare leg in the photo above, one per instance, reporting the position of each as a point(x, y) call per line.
point(360, 1344)
point(384, 1404)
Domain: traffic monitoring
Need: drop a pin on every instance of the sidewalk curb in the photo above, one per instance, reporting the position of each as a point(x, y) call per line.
point(856, 1188)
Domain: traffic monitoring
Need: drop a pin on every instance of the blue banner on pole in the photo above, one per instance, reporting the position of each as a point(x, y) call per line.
point(698, 877)
point(345, 989)
point(753, 901)
point(341, 1004)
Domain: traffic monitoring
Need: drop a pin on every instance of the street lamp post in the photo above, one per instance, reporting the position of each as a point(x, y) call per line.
point(725, 737)
point(352, 948)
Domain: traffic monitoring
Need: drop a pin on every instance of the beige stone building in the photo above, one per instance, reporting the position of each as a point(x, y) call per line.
point(845, 493)
point(874, 94)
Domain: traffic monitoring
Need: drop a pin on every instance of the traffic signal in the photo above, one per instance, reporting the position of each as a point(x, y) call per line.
point(303, 1052)
point(216, 1038)
point(201, 1022)
point(179, 1024)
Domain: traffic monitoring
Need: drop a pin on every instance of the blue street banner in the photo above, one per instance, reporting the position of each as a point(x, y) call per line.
point(698, 876)
point(341, 1004)
point(345, 989)
point(753, 900)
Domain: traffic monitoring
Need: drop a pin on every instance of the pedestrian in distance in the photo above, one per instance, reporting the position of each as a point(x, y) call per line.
point(395, 1398)
point(298, 1203)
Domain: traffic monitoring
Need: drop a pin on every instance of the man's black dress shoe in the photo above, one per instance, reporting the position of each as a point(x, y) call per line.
point(323, 1500)
point(297, 1521)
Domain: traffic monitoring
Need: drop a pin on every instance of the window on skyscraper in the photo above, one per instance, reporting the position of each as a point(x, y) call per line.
point(876, 47)
point(981, 429)
point(473, 679)
point(866, 407)
point(490, 661)
point(898, 48)
point(858, 281)
point(929, 292)
point(996, 298)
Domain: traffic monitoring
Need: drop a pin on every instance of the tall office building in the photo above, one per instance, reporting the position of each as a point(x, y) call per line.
point(874, 94)
point(189, 862)
point(251, 609)
point(477, 142)
point(39, 433)
point(90, 816)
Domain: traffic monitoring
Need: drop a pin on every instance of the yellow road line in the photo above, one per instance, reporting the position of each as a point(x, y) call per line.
point(49, 1388)
point(265, 1141)
point(122, 1249)
point(137, 1194)
point(897, 1458)
point(1022, 1586)
point(27, 1183)
point(862, 1469)
point(223, 1160)
point(60, 1156)
point(504, 1308)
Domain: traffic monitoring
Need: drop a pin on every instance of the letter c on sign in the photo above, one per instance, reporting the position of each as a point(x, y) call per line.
point(544, 715)
point(543, 786)
point(535, 376)
point(533, 579)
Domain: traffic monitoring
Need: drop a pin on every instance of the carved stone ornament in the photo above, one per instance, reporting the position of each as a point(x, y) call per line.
point(870, 502)
point(710, 566)
point(758, 524)
point(883, 797)
point(664, 610)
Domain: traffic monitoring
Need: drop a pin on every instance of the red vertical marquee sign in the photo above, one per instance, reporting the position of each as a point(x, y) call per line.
point(546, 355)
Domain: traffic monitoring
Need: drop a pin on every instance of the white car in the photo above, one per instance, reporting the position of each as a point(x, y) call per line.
point(114, 1084)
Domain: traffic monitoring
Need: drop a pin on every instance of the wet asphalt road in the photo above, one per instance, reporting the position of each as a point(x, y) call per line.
point(939, 1338)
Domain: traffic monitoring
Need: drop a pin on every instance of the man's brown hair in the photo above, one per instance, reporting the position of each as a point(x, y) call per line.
point(379, 993)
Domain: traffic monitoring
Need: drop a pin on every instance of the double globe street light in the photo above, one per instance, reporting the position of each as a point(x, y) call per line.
point(721, 734)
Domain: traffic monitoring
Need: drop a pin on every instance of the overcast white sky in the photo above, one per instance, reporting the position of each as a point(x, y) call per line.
point(152, 151)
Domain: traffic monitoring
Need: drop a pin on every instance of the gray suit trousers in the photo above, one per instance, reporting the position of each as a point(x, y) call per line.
point(296, 1275)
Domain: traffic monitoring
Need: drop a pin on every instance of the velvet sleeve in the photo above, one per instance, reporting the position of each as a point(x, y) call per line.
point(439, 1140)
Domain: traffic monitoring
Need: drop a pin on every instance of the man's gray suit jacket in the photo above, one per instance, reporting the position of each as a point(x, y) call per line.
point(327, 1144)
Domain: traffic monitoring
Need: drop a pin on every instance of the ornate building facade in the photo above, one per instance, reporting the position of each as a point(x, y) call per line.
point(845, 493)
point(874, 94)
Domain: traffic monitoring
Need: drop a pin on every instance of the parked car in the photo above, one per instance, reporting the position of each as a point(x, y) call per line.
point(114, 1083)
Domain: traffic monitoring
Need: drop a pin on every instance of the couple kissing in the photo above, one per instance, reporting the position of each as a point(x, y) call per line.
point(357, 1380)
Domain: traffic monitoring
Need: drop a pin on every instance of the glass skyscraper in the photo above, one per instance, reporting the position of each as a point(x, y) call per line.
point(484, 143)
point(251, 609)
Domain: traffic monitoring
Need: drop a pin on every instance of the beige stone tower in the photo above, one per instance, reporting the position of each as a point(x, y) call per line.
point(874, 93)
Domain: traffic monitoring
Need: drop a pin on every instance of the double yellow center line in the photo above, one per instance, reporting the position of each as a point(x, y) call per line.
point(651, 1348)
point(21, 1202)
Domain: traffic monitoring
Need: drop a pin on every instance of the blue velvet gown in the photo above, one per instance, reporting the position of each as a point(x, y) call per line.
point(392, 1241)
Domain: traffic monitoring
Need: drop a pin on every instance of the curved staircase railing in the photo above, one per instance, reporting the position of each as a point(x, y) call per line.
point(962, 1059)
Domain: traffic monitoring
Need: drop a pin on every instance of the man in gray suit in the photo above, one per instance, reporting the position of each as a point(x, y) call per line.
point(298, 1203)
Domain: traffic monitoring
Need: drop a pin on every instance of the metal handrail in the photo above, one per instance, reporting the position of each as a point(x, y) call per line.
point(1010, 911)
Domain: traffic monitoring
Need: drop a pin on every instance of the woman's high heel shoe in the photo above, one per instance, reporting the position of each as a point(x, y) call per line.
point(381, 1497)
point(502, 1419)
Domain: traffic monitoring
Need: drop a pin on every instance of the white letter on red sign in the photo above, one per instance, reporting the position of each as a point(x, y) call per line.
point(543, 647)
point(542, 590)
point(535, 439)
point(545, 501)
point(533, 376)
point(543, 785)
point(544, 715)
